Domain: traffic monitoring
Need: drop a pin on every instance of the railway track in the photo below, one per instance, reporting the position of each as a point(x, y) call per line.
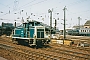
point(72, 54)
point(78, 49)
point(32, 54)
point(54, 53)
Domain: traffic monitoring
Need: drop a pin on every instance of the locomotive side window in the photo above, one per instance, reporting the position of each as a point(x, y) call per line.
point(40, 33)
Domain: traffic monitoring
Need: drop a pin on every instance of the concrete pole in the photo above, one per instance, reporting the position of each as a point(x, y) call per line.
point(79, 22)
point(50, 11)
point(15, 24)
point(55, 23)
point(64, 24)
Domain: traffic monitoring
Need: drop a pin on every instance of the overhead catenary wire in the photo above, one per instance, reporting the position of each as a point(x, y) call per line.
point(13, 10)
point(26, 7)
point(31, 5)
point(68, 5)
point(71, 4)
point(27, 4)
point(35, 15)
point(6, 6)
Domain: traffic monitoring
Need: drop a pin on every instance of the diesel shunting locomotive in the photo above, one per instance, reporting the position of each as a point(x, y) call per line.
point(30, 33)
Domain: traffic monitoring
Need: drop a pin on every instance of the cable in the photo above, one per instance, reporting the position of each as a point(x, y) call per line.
point(73, 3)
point(27, 3)
point(13, 11)
point(7, 6)
point(3, 5)
point(35, 3)
point(26, 7)
point(21, 6)
point(78, 2)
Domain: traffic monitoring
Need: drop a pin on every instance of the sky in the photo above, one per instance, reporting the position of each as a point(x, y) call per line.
point(14, 10)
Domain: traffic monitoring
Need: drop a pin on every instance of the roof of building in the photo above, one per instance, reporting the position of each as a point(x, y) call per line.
point(87, 23)
point(76, 26)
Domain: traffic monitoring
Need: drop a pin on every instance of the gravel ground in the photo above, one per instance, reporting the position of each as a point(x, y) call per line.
point(10, 56)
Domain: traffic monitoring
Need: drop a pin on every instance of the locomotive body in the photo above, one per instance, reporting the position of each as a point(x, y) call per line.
point(30, 34)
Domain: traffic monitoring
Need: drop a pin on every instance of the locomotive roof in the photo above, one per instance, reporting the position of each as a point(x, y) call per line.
point(41, 24)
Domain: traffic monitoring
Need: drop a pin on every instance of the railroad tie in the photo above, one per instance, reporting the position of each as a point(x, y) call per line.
point(48, 57)
point(21, 55)
point(44, 57)
point(30, 57)
point(82, 58)
point(55, 59)
point(34, 56)
point(69, 59)
point(65, 58)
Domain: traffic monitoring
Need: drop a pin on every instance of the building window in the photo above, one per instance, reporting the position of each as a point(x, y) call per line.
point(81, 30)
point(85, 30)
